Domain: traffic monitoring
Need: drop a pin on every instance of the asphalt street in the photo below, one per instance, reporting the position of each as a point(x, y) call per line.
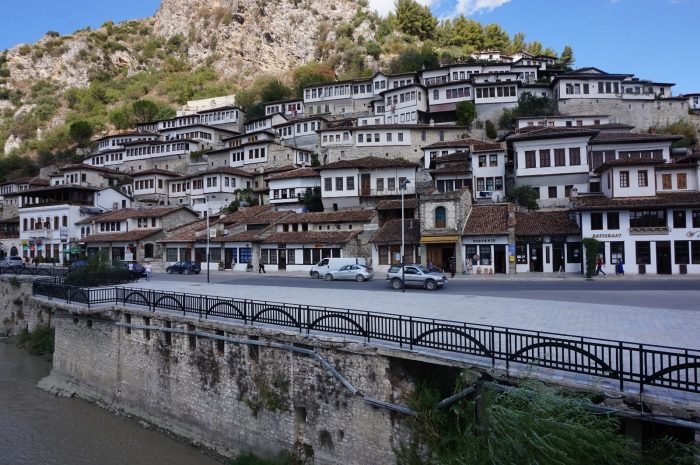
point(671, 293)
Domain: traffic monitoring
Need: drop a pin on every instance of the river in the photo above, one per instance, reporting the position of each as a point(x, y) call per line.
point(37, 428)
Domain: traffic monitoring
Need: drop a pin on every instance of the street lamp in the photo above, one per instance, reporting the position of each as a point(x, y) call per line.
point(402, 187)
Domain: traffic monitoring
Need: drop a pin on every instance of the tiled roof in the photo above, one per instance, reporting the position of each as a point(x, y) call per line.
point(487, 220)
point(244, 236)
point(31, 180)
point(311, 237)
point(369, 163)
point(396, 204)
point(462, 168)
point(629, 162)
point(455, 143)
point(390, 232)
point(186, 232)
point(344, 216)
point(622, 137)
point(268, 217)
point(546, 223)
point(671, 199)
point(487, 147)
point(223, 170)
point(83, 166)
point(135, 235)
point(606, 126)
point(299, 173)
point(436, 195)
point(126, 213)
point(553, 133)
point(134, 174)
point(456, 156)
point(243, 214)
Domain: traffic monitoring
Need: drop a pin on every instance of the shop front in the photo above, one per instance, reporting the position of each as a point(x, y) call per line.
point(486, 254)
point(440, 250)
point(548, 254)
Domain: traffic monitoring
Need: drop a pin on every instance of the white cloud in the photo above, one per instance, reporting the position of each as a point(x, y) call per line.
point(469, 7)
point(385, 6)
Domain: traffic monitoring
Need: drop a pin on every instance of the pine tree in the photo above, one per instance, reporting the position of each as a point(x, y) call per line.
point(415, 19)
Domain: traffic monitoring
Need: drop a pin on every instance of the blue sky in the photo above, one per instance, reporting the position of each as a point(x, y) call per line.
point(650, 38)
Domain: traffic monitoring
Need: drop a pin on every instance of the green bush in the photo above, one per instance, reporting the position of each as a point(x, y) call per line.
point(490, 129)
point(250, 459)
point(38, 342)
point(98, 271)
point(592, 246)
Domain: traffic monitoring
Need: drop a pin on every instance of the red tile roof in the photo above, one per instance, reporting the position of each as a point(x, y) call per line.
point(390, 232)
point(186, 232)
point(126, 213)
point(134, 174)
point(460, 168)
point(668, 200)
point(546, 223)
point(243, 214)
point(622, 137)
point(553, 133)
point(299, 173)
point(370, 163)
point(344, 216)
point(487, 220)
point(396, 204)
point(629, 162)
point(135, 235)
point(311, 237)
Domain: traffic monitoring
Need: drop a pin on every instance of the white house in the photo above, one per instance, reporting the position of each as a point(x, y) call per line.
point(287, 189)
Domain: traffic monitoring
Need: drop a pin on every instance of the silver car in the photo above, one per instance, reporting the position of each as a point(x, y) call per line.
point(415, 276)
point(12, 262)
point(358, 273)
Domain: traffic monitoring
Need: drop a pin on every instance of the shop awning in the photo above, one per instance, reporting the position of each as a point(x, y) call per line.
point(439, 239)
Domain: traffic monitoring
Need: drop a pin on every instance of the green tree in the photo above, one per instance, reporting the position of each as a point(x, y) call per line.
point(681, 128)
point(518, 43)
point(592, 247)
point(81, 132)
point(312, 199)
point(532, 105)
point(144, 110)
point(122, 118)
point(507, 119)
point(463, 32)
point(490, 129)
point(567, 57)
point(414, 59)
point(314, 160)
point(495, 38)
point(466, 113)
point(525, 196)
point(274, 90)
point(415, 19)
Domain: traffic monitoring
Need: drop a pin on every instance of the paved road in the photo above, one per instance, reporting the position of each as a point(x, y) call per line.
point(683, 294)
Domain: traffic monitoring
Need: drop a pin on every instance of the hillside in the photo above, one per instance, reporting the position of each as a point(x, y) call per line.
point(200, 48)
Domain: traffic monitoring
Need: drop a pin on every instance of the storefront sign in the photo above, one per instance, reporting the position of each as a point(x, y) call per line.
point(607, 236)
point(691, 234)
point(485, 240)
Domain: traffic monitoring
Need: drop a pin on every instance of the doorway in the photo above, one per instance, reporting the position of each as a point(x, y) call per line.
point(440, 255)
point(365, 186)
point(663, 257)
point(536, 258)
point(499, 259)
point(558, 257)
point(282, 259)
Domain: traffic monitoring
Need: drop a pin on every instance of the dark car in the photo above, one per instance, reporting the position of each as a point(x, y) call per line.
point(137, 268)
point(186, 267)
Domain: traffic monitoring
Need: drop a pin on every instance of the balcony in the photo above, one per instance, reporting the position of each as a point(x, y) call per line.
point(649, 231)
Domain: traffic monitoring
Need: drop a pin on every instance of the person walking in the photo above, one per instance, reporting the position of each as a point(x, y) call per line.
point(149, 270)
point(453, 267)
point(599, 266)
point(261, 266)
point(620, 268)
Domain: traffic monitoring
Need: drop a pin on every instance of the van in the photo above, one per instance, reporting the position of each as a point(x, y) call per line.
point(333, 263)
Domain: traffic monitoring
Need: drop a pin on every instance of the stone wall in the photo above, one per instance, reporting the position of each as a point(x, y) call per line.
point(17, 309)
point(234, 397)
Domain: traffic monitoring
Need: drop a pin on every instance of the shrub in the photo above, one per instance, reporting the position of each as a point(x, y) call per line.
point(490, 129)
point(592, 246)
point(38, 342)
point(98, 271)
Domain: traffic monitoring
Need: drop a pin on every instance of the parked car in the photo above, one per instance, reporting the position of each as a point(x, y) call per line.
point(12, 262)
point(136, 267)
point(358, 273)
point(186, 267)
point(415, 276)
point(320, 269)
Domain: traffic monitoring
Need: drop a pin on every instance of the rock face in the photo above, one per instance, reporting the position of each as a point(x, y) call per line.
point(267, 35)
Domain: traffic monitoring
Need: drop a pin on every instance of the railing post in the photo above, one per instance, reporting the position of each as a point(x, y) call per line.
point(299, 320)
point(507, 351)
point(367, 328)
point(400, 332)
point(641, 369)
point(410, 332)
point(492, 337)
point(620, 367)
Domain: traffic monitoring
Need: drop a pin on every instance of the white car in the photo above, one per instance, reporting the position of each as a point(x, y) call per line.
point(358, 273)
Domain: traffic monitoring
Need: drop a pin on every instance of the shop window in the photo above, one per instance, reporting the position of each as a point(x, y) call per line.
point(617, 252)
point(695, 252)
point(642, 251)
point(485, 255)
point(573, 252)
point(681, 251)
point(471, 253)
point(440, 217)
point(521, 255)
point(383, 255)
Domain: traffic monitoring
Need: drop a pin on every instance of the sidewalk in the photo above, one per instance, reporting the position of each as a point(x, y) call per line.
point(669, 327)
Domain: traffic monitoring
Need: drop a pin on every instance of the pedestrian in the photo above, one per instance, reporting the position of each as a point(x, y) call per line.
point(599, 266)
point(430, 265)
point(620, 268)
point(149, 270)
point(261, 266)
point(453, 267)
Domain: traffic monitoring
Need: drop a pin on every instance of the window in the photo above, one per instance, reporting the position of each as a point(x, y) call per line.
point(148, 251)
point(360, 138)
point(681, 181)
point(695, 214)
point(567, 190)
point(493, 160)
point(613, 220)
point(388, 137)
point(666, 182)
point(440, 217)
point(328, 184)
point(642, 178)
point(391, 184)
point(400, 136)
point(559, 157)
point(545, 160)
point(575, 156)
point(648, 218)
point(695, 252)
point(681, 250)
point(552, 192)
point(350, 183)
point(380, 184)
point(596, 221)
point(482, 161)
point(339, 184)
point(679, 219)
point(642, 250)
point(573, 252)
point(485, 255)
point(624, 179)
point(530, 159)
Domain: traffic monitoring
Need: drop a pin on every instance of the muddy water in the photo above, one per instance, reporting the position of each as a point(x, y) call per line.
point(37, 428)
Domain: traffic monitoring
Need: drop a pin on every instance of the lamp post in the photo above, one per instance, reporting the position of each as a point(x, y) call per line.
point(208, 236)
point(402, 187)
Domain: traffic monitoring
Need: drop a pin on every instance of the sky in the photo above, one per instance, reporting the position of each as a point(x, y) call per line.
point(652, 39)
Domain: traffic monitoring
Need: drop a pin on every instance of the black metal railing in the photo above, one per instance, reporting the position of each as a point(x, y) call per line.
point(34, 271)
point(627, 363)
